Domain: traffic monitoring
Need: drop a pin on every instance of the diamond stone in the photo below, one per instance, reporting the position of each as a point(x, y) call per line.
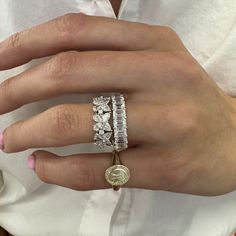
point(102, 117)
point(101, 132)
point(103, 139)
point(102, 126)
point(101, 100)
point(119, 122)
point(97, 126)
point(102, 108)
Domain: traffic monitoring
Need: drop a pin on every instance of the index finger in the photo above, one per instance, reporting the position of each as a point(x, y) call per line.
point(77, 31)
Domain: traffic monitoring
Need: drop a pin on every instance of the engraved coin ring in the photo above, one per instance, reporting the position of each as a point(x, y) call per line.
point(117, 174)
point(116, 129)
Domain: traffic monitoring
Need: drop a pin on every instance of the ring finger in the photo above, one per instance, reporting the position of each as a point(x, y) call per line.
point(61, 125)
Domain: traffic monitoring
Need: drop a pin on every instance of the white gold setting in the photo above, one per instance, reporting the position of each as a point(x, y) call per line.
point(105, 133)
point(101, 116)
point(119, 122)
point(110, 123)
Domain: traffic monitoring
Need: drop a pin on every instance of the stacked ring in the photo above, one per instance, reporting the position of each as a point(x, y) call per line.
point(116, 129)
point(119, 123)
point(102, 114)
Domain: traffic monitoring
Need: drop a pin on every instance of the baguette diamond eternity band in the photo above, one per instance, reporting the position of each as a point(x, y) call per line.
point(119, 122)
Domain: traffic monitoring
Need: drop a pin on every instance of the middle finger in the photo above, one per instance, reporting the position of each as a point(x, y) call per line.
point(72, 72)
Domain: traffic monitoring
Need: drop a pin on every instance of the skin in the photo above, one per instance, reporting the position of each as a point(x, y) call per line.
point(181, 125)
point(116, 5)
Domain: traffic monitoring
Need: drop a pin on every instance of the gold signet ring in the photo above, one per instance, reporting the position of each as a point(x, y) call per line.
point(117, 174)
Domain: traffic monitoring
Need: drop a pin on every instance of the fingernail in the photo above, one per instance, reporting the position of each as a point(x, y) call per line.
point(1, 140)
point(31, 162)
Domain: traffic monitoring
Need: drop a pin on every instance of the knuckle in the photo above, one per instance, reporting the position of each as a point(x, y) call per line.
point(193, 72)
point(7, 92)
point(60, 65)
point(188, 68)
point(169, 34)
point(14, 40)
point(168, 31)
point(66, 24)
point(182, 120)
point(63, 121)
point(166, 38)
point(178, 122)
point(183, 67)
point(163, 31)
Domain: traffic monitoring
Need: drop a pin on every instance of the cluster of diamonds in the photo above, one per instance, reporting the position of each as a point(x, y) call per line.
point(101, 116)
point(119, 122)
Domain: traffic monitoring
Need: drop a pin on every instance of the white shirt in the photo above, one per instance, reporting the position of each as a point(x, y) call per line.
point(29, 207)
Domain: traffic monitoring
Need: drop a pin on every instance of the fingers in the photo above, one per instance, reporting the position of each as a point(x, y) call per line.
point(73, 72)
point(86, 171)
point(58, 126)
point(77, 31)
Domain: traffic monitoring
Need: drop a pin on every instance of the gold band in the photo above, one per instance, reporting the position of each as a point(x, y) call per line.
point(117, 174)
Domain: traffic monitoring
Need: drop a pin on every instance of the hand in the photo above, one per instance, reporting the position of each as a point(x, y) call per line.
point(181, 126)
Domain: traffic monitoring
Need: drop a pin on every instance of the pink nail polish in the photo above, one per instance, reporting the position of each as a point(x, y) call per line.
point(1, 140)
point(31, 162)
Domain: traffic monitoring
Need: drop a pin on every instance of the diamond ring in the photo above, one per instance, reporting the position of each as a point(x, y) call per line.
point(102, 127)
point(109, 115)
point(119, 122)
point(110, 122)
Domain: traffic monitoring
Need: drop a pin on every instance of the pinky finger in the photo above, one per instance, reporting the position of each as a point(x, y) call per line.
point(82, 171)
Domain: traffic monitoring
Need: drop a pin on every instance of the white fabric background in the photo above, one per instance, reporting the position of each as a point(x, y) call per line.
point(30, 208)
